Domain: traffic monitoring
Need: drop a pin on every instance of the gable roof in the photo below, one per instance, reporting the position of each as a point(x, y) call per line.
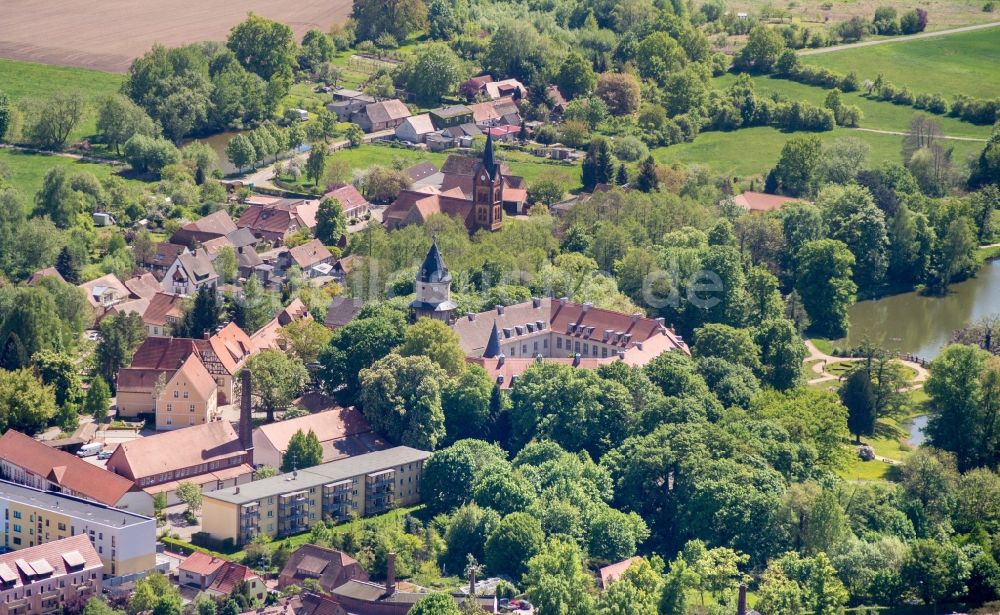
point(331, 427)
point(342, 310)
point(163, 353)
point(201, 564)
point(267, 336)
point(181, 448)
point(386, 111)
point(95, 288)
point(64, 469)
point(761, 201)
point(232, 346)
point(193, 372)
point(348, 196)
point(196, 266)
point(164, 255)
point(162, 307)
point(612, 573)
point(420, 124)
point(48, 272)
point(309, 253)
point(216, 223)
point(329, 566)
point(268, 219)
point(143, 286)
point(421, 170)
point(232, 574)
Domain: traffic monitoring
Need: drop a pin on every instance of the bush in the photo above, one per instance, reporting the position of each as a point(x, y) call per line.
point(913, 21)
point(630, 149)
point(150, 154)
point(937, 104)
point(850, 82)
point(903, 97)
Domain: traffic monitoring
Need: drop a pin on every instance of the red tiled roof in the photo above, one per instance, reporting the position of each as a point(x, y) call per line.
point(201, 564)
point(230, 577)
point(162, 307)
point(268, 219)
point(172, 450)
point(232, 346)
point(309, 253)
point(761, 201)
point(215, 223)
point(163, 353)
point(54, 553)
point(64, 469)
point(348, 196)
point(611, 573)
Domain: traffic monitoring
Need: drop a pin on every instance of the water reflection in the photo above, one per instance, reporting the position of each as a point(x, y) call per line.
point(912, 323)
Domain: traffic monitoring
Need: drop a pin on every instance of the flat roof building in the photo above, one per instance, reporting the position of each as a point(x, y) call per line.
point(291, 503)
point(125, 541)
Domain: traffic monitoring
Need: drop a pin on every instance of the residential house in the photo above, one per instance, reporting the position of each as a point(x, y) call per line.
point(51, 577)
point(105, 292)
point(268, 336)
point(384, 115)
point(157, 358)
point(160, 260)
point(421, 171)
point(413, 129)
point(214, 225)
point(328, 567)
point(189, 272)
point(188, 397)
point(144, 286)
point(342, 310)
point(361, 597)
point(312, 258)
point(274, 221)
point(211, 455)
point(508, 87)
point(347, 104)
point(761, 202)
point(291, 503)
point(217, 577)
point(507, 133)
point(26, 461)
point(342, 268)
point(48, 272)
point(452, 115)
point(472, 88)
point(342, 432)
point(556, 98)
point(611, 573)
point(125, 541)
point(355, 205)
point(162, 314)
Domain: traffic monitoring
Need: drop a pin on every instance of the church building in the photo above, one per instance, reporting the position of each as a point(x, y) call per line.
point(477, 192)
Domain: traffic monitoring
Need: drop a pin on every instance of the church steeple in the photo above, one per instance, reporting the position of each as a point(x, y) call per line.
point(489, 157)
point(493, 345)
point(433, 288)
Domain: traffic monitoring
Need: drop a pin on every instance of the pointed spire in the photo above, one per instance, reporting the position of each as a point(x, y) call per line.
point(433, 269)
point(493, 345)
point(489, 161)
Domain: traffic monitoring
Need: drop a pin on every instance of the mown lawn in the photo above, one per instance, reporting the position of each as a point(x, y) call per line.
point(27, 170)
point(21, 80)
point(878, 115)
point(966, 63)
point(754, 151)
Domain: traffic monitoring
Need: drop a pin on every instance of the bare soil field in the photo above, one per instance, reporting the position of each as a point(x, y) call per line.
point(108, 34)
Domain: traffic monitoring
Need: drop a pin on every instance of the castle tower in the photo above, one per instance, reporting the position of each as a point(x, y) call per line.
point(493, 345)
point(487, 190)
point(433, 289)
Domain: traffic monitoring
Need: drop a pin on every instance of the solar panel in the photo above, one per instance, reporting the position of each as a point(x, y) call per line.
point(42, 567)
point(6, 574)
point(73, 559)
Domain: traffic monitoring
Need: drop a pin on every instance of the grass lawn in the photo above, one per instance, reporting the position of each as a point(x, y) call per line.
point(28, 170)
point(878, 115)
point(967, 62)
point(28, 80)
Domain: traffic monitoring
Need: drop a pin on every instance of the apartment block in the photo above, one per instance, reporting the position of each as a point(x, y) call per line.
point(125, 542)
point(50, 577)
point(291, 503)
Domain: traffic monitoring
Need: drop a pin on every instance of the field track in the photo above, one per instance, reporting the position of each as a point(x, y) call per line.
point(108, 34)
point(898, 39)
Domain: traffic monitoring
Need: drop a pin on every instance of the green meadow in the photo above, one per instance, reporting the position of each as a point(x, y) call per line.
point(963, 63)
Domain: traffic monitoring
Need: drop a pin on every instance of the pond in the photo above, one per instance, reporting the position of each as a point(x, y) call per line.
point(915, 429)
point(218, 143)
point(911, 323)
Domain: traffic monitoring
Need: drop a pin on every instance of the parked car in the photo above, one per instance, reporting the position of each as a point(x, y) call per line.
point(104, 455)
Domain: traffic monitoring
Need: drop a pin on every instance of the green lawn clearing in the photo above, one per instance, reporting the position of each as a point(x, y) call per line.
point(27, 170)
point(878, 115)
point(966, 63)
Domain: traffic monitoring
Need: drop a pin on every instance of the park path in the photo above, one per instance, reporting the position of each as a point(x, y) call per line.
point(821, 358)
point(903, 134)
point(899, 39)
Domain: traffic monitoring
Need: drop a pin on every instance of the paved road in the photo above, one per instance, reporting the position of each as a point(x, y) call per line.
point(898, 39)
point(903, 134)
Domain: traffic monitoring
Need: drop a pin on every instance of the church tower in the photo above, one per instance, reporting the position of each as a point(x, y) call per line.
point(433, 289)
point(487, 190)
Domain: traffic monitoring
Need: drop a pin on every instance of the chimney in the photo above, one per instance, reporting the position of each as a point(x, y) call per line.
point(501, 359)
point(246, 423)
point(390, 574)
point(586, 306)
point(500, 310)
point(741, 603)
point(237, 492)
point(563, 300)
point(636, 317)
point(470, 316)
point(536, 302)
point(660, 320)
point(576, 359)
